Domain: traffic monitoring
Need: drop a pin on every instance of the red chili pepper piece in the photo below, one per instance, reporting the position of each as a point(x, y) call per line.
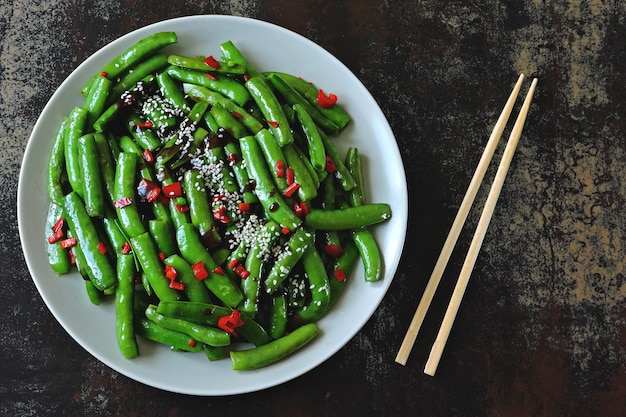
point(291, 189)
point(326, 101)
point(230, 323)
point(232, 264)
point(145, 125)
point(104, 74)
point(56, 236)
point(280, 169)
point(220, 215)
point(330, 165)
point(285, 230)
point(148, 190)
point(333, 250)
point(340, 275)
point(102, 248)
point(232, 158)
point(291, 176)
point(126, 248)
point(163, 200)
point(246, 77)
point(122, 202)
point(170, 273)
point(241, 271)
point(199, 271)
point(162, 256)
point(218, 270)
point(210, 76)
point(236, 115)
point(245, 208)
point(212, 62)
point(305, 208)
point(148, 156)
point(58, 225)
point(177, 285)
point(181, 209)
point(272, 123)
point(191, 343)
point(173, 190)
point(70, 242)
point(72, 258)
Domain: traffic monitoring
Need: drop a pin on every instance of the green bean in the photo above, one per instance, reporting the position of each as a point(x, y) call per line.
point(145, 138)
point(97, 264)
point(226, 120)
point(124, 324)
point(222, 84)
point(157, 333)
point(274, 156)
point(278, 316)
point(307, 189)
point(56, 165)
point(231, 53)
point(58, 257)
point(144, 68)
point(341, 269)
point(198, 110)
point(162, 231)
point(96, 100)
point(353, 163)
point(308, 90)
point(95, 295)
point(214, 98)
point(172, 91)
point(205, 334)
point(112, 229)
point(228, 67)
point(209, 314)
point(147, 254)
point(273, 351)
point(342, 174)
point(193, 251)
point(194, 289)
point(269, 105)
point(128, 214)
point(274, 204)
point(294, 98)
point(317, 152)
point(318, 285)
point(107, 163)
point(236, 162)
point(293, 250)
point(75, 129)
point(200, 208)
point(138, 52)
point(93, 182)
point(348, 218)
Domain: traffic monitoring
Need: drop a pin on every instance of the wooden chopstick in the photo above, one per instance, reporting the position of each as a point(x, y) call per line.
point(457, 225)
point(481, 230)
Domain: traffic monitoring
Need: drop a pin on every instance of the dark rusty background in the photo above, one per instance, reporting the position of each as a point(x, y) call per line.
point(541, 331)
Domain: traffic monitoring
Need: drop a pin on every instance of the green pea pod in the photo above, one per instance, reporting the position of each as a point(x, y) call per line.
point(124, 322)
point(275, 350)
point(272, 201)
point(96, 100)
point(224, 85)
point(341, 269)
point(107, 163)
point(200, 208)
point(228, 67)
point(226, 120)
point(172, 91)
point(163, 234)
point(93, 192)
point(97, 264)
point(318, 285)
point(205, 334)
point(342, 174)
point(58, 257)
point(269, 105)
point(147, 254)
point(157, 333)
point(75, 129)
point(194, 289)
point(141, 70)
point(348, 218)
point(293, 250)
point(231, 53)
point(214, 98)
point(274, 156)
point(56, 165)
point(193, 251)
point(278, 316)
point(315, 145)
point(127, 210)
point(307, 189)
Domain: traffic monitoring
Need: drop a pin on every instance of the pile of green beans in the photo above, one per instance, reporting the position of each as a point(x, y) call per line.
point(209, 200)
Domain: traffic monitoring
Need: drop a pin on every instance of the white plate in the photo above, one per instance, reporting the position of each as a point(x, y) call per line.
point(268, 47)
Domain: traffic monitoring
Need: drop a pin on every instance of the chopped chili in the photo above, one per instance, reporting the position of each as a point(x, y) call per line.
point(145, 125)
point(291, 176)
point(232, 264)
point(245, 208)
point(58, 225)
point(326, 101)
point(173, 190)
point(148, 156)
point(126, 248)
point(340, 275)
point(330, 165)
point(56, 236)
point(181, 208)
point(285, 230)
point(231, 322)
point(102, 248)
point(162, 256)
point(177, 285)
point(236, 115)
point(212, 62)
point(291, 189)
point(104, 74)
point(123, 202)
point(272, 123)
point(280, 169)
point(170, 273)
point(241, 271)
point(199, 271)
point(218, 270)
point(70, 242)
point(333, 250)
point(148, 190)
point(210, 76)
point(191, 343)
point(221, 216)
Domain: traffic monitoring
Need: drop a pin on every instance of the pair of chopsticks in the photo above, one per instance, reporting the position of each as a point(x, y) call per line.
point(455, 230)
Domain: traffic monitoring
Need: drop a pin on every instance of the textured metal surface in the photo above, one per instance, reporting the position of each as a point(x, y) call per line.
point(541, 331)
